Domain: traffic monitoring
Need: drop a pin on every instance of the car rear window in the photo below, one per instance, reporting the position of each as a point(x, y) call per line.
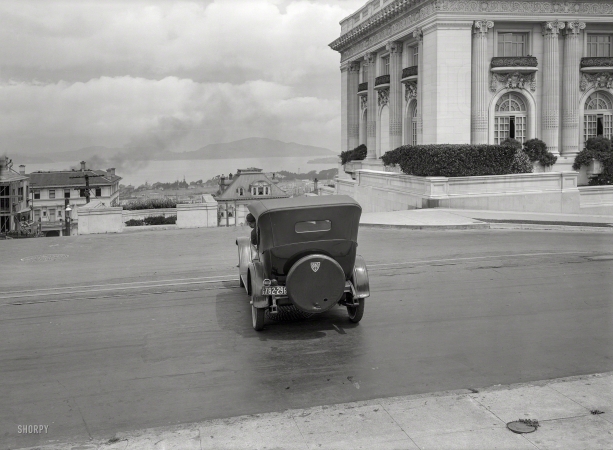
point(312, 226)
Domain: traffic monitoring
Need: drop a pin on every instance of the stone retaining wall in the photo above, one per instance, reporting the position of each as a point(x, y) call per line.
point(548, 192)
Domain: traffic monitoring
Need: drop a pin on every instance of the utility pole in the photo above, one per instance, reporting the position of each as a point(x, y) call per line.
point(87, 176)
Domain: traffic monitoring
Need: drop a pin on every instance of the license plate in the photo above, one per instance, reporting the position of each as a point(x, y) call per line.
point(274, 290)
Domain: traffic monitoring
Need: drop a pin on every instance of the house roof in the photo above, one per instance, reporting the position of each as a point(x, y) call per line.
point(64, 178)
point(246, 179)
point(8, 175)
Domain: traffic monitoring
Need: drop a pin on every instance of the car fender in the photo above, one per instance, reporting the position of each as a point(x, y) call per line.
point(256, 281)
point(244, 258)
point(359, 278)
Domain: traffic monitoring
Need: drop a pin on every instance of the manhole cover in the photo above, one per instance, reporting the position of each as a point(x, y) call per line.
point(520, 427)
point(44, 258)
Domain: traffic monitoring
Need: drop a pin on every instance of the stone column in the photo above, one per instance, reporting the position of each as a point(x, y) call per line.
point(371, 118)
point(480, 75)
point(353, 106)
point(419, 35)
point(395, 97)
point(550, 117)
point(570, 98)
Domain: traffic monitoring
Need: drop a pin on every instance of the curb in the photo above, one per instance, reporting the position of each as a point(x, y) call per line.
point(535, 227)
point(122, 439)
point(474, 226)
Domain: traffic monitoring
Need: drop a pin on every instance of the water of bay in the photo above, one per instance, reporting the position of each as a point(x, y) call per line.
point(139, 172)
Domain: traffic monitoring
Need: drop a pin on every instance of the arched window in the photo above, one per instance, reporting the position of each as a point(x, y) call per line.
point(598, 116)
point(510, 118)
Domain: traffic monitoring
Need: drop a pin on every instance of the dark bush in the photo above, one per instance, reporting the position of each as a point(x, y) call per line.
point(151, 203)
point(160, 220)
point(600, 149)
point(153, 220)
point(457, 160)
point(537, 151)
point(513, 143)
point(392, 157)
point(357, 154)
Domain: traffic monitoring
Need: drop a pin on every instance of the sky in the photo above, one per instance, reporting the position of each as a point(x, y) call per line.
point(176, 75)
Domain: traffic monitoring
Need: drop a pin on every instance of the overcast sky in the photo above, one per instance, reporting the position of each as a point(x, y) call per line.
point(175, 74)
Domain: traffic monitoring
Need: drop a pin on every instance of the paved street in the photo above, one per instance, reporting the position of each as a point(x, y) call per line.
point(111, 333)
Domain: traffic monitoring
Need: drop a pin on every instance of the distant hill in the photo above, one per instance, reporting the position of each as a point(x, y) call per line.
point(255, 148)
point(244, 148)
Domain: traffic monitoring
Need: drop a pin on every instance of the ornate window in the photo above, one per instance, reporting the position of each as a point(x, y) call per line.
point(512, 44)
point(411, 129)
point(385, 65)
point(510, 118)
point(598, 116)
point(599, 45)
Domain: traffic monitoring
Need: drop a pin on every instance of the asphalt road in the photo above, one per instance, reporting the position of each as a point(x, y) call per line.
point(110, 333)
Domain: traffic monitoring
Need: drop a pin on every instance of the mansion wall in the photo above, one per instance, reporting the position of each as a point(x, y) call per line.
point(438, 72)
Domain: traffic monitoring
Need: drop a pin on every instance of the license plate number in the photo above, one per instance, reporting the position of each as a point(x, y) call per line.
point(274, 290)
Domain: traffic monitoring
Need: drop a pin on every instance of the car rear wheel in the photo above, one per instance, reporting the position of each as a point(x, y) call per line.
point(257, 317)
point(356, 312)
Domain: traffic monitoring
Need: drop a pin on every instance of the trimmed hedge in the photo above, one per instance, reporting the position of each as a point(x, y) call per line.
point(153, 220)
point(601, 149)
point(457, 160)
point(151, 203)
point(357, 154)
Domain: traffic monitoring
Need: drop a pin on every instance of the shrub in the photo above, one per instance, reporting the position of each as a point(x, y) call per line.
point(357, 154)
point(153, 220)
point(537, 151)
point(392, 157)
point(160, 220)
point(600, 149)
point(151, 203)
point(447, 160)
point(513, 143)
point(521, 163)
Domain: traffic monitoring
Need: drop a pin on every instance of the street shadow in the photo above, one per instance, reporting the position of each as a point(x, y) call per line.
point(233, 313)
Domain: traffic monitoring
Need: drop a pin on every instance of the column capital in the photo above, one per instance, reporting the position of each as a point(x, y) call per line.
point(481, 27)
point(552, 28)
point(353, 66)
point(574, 28)
point(394, 46)
point(418, 34)
point(370, 58)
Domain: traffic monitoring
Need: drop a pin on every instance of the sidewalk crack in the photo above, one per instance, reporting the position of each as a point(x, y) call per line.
point(400, 426)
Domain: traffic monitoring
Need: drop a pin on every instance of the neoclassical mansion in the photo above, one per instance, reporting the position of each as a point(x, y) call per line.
point(454, 71)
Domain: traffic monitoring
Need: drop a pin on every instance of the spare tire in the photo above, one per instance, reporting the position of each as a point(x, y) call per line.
point(315, 283)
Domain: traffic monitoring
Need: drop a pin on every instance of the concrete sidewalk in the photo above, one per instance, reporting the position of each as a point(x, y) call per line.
point(457, 219)
point(572, 413)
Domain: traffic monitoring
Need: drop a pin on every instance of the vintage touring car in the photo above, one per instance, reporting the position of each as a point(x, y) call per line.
point(303, 254)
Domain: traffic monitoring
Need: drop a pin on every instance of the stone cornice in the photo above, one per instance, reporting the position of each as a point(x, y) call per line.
point(420, 9)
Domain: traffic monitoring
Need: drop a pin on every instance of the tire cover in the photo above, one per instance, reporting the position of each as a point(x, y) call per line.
point(315, 283)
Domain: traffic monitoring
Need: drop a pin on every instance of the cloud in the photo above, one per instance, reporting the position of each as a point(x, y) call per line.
point(111, 72)
point(169, 114)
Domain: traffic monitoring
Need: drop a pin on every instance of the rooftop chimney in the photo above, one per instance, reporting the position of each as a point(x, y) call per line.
point(82, 166)
point(111, 171)
point(22, 169)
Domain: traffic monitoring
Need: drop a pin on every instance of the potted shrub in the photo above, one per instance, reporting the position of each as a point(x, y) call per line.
point(541, 158)
point(598, 157)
